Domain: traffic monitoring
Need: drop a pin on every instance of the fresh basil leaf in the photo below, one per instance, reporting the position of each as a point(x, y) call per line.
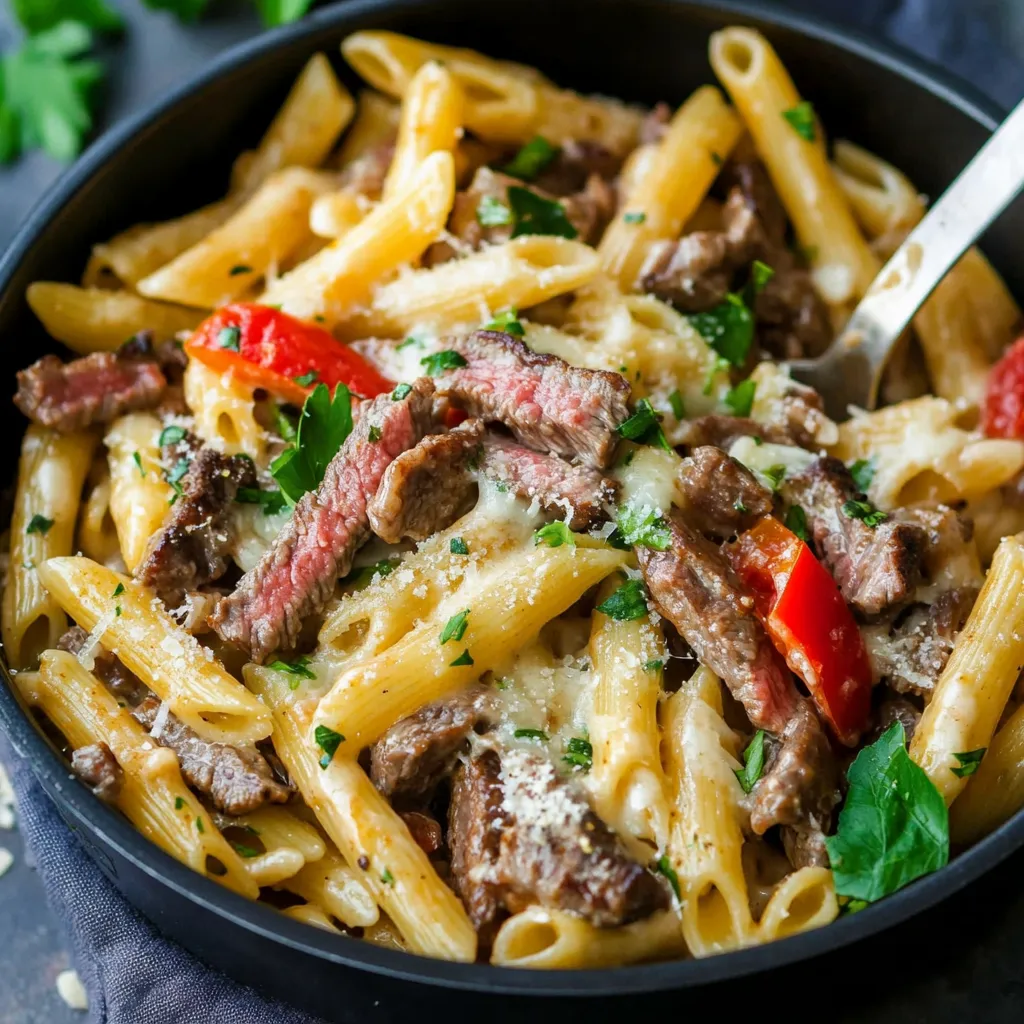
point(328, 741)
point(864, 511)
point(627, 603)
point(554, 535)
point(642, 526)
point(531, 159)
point(386, 877)
point(410, 342)
point(491, 212)
point(728, 328)
point(643, 426)
point(740, 399)
point(455, 627)
point(373, 434)
point(535, 215)
point(436, 363)
point(753, 762)
point(654, 665)
point(118, 590)
point(801, 117)
point(760, 275)
point(283, 423)
point(271, 501)
point(969, 760)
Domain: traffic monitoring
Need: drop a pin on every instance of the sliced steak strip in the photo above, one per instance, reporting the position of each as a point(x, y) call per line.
point(693, 274)
point(723, 497)
point(548, 404)
point(297, 574)
point(576, 163)
point(419, 750)
point(237, 779)
point(192, 548)
point(96, 766)
point(121, 682)
point(693, 587)
point(521, 835)
point(425, 489)
point(721, 431)
point(579, 492)
point(168, 355)
point(875, 567)
point(94, 389)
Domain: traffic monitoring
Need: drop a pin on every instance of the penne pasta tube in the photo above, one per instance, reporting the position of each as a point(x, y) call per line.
point(51, 473)
point(842, 263)
point(979, 677)
point(520, 273)
point(507, 607)
point(153, 796)
point(170, 661)
point(564, 115)
point(396, 232)
point(274, 843)
point(97, 534)
point(803, 900)
point(676, 180)
point(270, 227)
point(331, 884)
point(96, 320)
point(882, 198)
point(224, 411)
point(375, 124)
point(336, 213)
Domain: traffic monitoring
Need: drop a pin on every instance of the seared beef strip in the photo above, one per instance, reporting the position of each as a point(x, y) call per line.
point(237, 780)
point(721, 431)
point(693, 274)
point(419, 750)
point(655, 123)
point(193, 546)
point(579, 492)
point(297, 574)
point(693, 586)
point(520, 835)
point(121, 681)
point(97, 766)
point(426, 488)
point(876, 567)
point(894, 709)
point(93, 389)
point(723, 496)
point(168, 355)
point(575, 164)
point(805, 847)
point(548, 404)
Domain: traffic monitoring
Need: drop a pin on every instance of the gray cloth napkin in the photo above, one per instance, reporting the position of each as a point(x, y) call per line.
point(135, 976)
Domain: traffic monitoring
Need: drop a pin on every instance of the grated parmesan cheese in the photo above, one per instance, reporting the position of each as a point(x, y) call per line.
point(87, 655)
point(72, 991)
point(6, 860)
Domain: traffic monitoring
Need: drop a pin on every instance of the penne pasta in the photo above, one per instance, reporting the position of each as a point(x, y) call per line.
point(375, 124)
point(224, 411)
point(274, 844)
point(337, 888)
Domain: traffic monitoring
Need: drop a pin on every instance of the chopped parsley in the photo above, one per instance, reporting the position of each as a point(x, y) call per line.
point(455, 627)
point(179, 802)
point(719, 365)
point(283, 423)
point(969, 762)
point(864, 511)
point(386, 877)
point(117, 611)
point(409, 342)
point(137, 459)
point(323, 427)
point(728, 328)
point(463, 659)
point(634, 218)
point(531, 159)
point(863, 472)
point(675, 401)
point(229, 337)
point(328, 741)
point(271, 501)
point(200, 827)
point(438, 362)
point(627, 603)
point(508, 321)
point(532, 734)
point(400, 392)
point(753, 762)
point(298, 669)
point(367, 572)
point(118, 590)
point(801, 117)
point(171, 435)
point(643, 426)
point(654, 665)
point(796, 522)
point(39, 524)
point(774, 475)
point(373, 434)
point(245, 851)
point(554, 535)
point(740, 399)
point(740, 507)
point(535, 215)
point(664, 867)
point(642, 526)
point(760, 275)
point(503, 683)
point(579, 752)
point(716, 158)
point(491, 212)
point(240, 268)
point(306, 379)
point(458, 546)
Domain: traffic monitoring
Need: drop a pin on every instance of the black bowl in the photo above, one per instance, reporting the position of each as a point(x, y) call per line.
point(177, 155)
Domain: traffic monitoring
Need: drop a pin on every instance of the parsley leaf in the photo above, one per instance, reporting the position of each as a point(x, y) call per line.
point(171, 435)
point(753, 762)
point(796, 522)
point(386, 877)
point(760, 275)
point(535, 215)
point(280, 12)
point(554, 535)
point(118, 590)
point(137, 459)
point(969, 762)
point(728, 328)
point(365, 574)
point(894, 826)
point(531, 159)
point(579, 753)
point(283, 423)
point(463, 659)
point(801, 117)
point(238, 269)
point(306, 379)
point(400, 392)
point(675, 400)
point(271, 501)
point(245, 851)
point(642, 526)
point(740, 399)
point(455, 627)
point(438, 362)
point(458, 546)
point(328, 741)
point(297, 668)
point(643, 426)
point(863, 472)
point(634, 218)
point(179, 802)
point(39, 524)
point(229, 338)
point(323, 427)
point(491, 212)
point(664, 867)
point(654, 665)
point(627, 603)
point(508, 321)
point(373, 434)
point(39, 15)
point(532, 734)
point(864, 511)
point(774, 475)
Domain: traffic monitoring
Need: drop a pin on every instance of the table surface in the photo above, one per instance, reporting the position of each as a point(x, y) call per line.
point(956, 963)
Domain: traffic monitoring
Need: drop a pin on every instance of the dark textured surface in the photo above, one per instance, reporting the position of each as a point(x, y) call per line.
point(959, 962)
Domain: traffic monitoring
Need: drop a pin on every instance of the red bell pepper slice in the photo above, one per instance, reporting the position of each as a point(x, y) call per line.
point(266, 348)
point(809, 622)
point(1003, 411)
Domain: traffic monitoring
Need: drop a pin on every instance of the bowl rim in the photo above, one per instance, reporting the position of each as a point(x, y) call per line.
point(94, 817)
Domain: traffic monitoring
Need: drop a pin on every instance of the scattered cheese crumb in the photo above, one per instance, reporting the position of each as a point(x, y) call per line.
point(72, 991)
point(6, 860)
point(6, 801)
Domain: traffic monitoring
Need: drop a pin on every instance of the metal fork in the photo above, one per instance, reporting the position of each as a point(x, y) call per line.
point(850, 371)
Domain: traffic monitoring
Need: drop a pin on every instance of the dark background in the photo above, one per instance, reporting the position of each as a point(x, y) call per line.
point(963, 962)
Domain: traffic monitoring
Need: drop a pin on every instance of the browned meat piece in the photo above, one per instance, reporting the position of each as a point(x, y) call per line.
point(236, 779)
point(577, 162)
point(192, 548)
point(96, 766)
point(168, 355)
point(579, 492)
point(799, 415)
point(745, 175)
point(654, 124)
point(297, 575)
point(693, 587)
point(792, 319)
point(912, 655)
point(875, 567)
point(419, 750)
point(367, 172)
point(426, 488)
point(721, 431)
point(548, 404)
point(894, 709)
point(425, 830)
point(805, 847)
point(540, 844)
point(124, 684)
point(94, 389)
point(723, 496)
point(591, 209)
point(800, 786)
point(693, 274)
